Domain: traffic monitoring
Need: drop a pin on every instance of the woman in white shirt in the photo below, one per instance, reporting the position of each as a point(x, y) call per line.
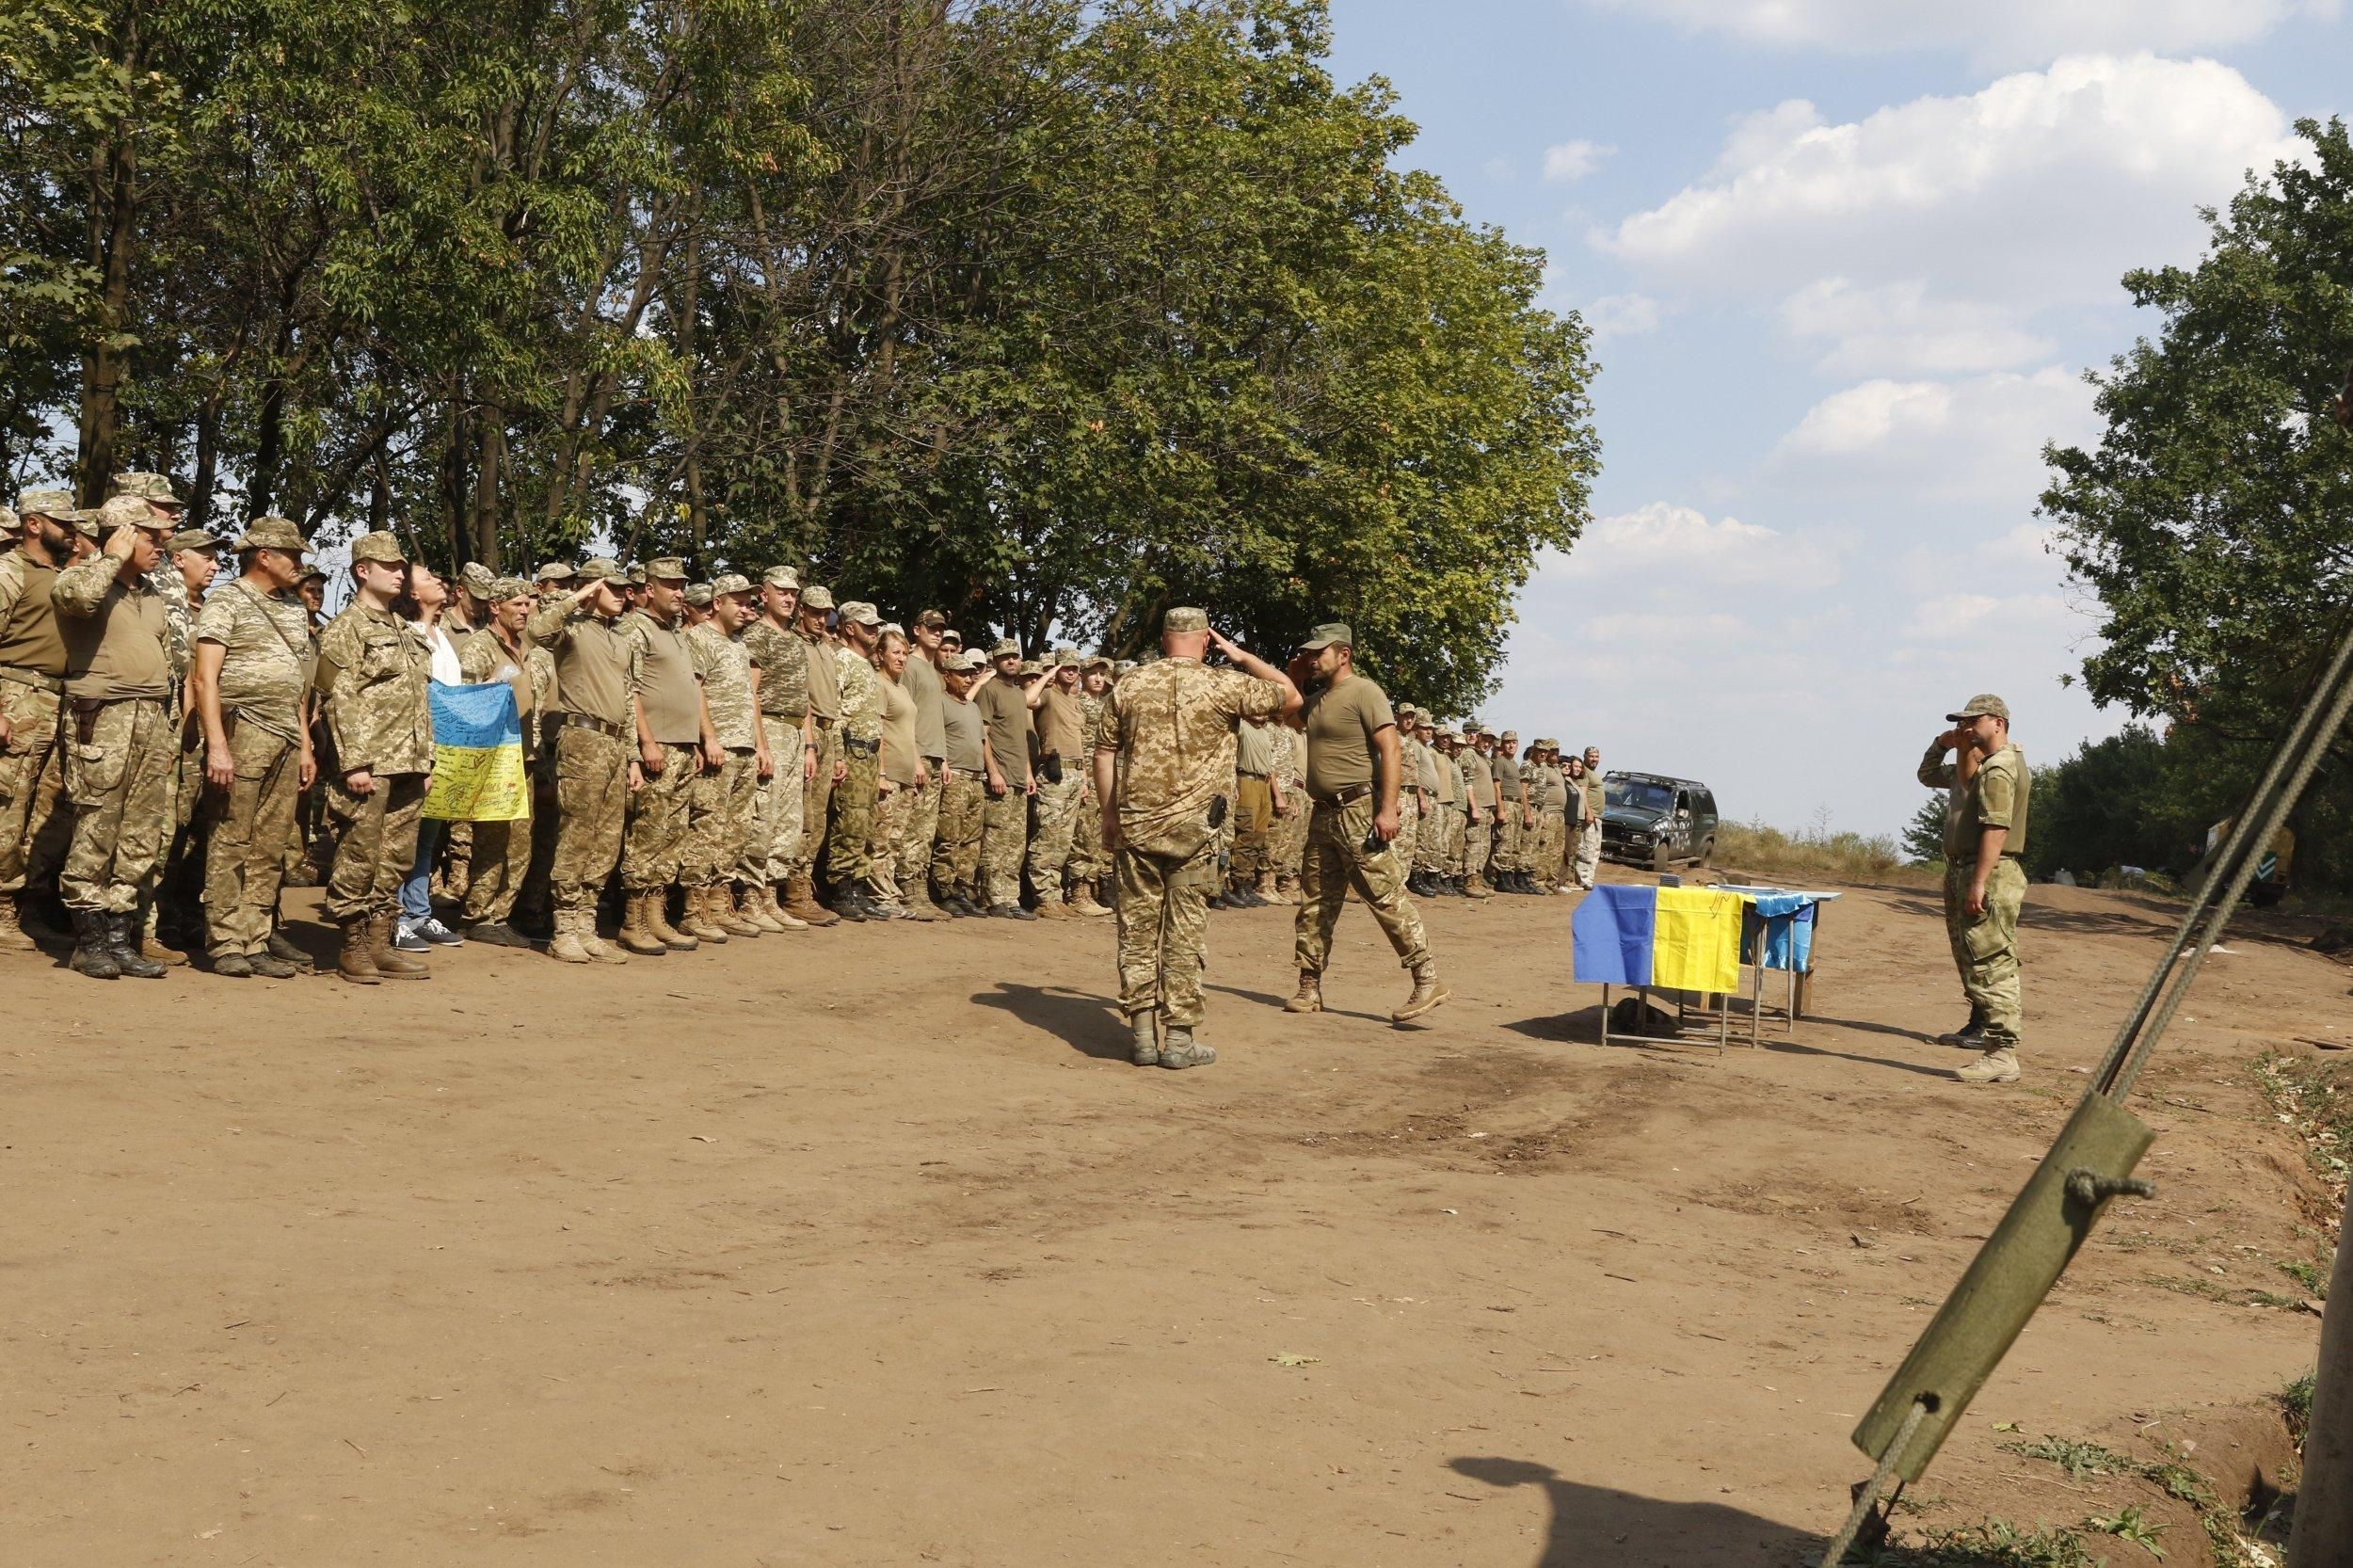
point(419, 928)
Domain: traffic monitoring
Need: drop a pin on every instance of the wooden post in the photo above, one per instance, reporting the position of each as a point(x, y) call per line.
point(2324, 1498)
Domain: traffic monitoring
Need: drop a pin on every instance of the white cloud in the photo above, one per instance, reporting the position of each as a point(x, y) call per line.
point(1623, 315)
point(1663, 545)
point(2005, 31)
point(2040, 189)
point(1573, 160)
point(1947, 618)
point(1978, 436)
point(1897, 327)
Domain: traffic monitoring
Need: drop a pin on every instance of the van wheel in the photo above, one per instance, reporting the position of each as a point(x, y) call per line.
point(1660, 859)
point(1707, 847)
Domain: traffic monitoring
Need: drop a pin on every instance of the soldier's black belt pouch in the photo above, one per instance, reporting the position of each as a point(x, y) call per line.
point(84, 717)
point(861, 748)
point(1217, 813)
point(1050, 769)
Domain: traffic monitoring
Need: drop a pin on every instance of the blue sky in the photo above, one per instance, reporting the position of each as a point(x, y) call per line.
point(1846, 261)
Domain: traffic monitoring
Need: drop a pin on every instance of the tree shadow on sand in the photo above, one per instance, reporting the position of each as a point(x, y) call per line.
point(1592, 1526)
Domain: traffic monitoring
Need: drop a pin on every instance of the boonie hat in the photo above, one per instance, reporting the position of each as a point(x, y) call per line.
point(1983, 703)
point(782, 577)
point(816, 596)
point(380, 545)
point(1325, 635)
point(1185, 617)
point(272, 532)
point(147, 486)
point(731, 583)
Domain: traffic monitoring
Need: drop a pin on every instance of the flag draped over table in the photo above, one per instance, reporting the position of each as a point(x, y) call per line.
point(477, 755)
point(1678, 938)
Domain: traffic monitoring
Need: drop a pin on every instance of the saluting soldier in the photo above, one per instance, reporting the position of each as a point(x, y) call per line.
point(925, 686)
point(1004, 815)
point(499, 856)
point(1162, 766)
point(250, 687)
point(720, 808)
point(597, 764)
point(373, 673)
point(674, 742)
point(1060, 724)
point(849, 854)
point(956, 851)
point(1985, 840)
point(777, 650)
point(825, 763)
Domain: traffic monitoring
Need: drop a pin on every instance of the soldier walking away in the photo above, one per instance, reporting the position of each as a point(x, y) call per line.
point(32, 687)
point(1354, 767)
point(372, 681)
point(1987, 885)
point(1162, 765)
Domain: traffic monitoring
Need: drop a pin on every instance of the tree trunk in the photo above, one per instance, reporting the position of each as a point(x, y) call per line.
point(113, 212)
point(489, 452)
point(2324, 1498)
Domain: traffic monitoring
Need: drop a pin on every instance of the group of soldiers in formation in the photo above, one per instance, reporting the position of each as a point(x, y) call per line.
point(707, 761)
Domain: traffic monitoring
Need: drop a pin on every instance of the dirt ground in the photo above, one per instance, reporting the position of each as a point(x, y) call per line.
point(867, 1246)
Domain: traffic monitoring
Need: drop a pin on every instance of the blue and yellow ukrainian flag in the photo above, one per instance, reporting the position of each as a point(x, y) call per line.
point(477, 755)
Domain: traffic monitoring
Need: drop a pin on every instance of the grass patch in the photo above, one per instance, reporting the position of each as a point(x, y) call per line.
point(2315, 1099)
point(1817, 855)
point(2313, 1276)
point(1990, 1543)
point(2172, 1474)
point(2129, 1524)
point(2296, 1404)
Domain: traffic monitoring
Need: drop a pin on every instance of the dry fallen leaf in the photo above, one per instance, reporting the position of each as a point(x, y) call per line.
point(1291, 1358)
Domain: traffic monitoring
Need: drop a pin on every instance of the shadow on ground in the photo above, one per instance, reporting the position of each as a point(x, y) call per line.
point(1594, 1526)
point(1088, 1024)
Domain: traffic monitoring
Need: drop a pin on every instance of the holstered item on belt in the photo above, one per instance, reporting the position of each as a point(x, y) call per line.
point(599, 726)
point(1049, 767)
point(1346, 797)
point(86, 710)
point(856, 747)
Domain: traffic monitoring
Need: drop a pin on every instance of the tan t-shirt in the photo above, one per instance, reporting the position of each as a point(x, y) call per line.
point(1342, 721)
point(1061, 725)
point(592, 665)
point(898, 730)
point(1006, 713)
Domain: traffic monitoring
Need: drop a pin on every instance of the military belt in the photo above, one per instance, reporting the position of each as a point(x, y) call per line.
point(862, 748)
point(33, 679)
point(1346, 797)
point(822, 720)
point(583, 721)
point(1247, 773)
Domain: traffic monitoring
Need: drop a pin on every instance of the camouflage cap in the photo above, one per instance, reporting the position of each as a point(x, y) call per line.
point(1509, 735)
point(816, 596)
point(931, 621)
point(504, 588)
point(1983, 703)
point(1006, 648)
point(1185, 617)
point(147, 486)
point(553, 571)
point(598, 568)
point(1329, 633)
point(127, 511)
point(476, 578)
point(781, 577)
point(669, 568)
point(1096, 661)
point(860, 612)
point(312, 574)
point(970, 663)
point(952, 636)
point(1031, 667)
point(272, 532)
point(1066, 659)
point(1406, 711)
point(84, 520)
point(192, 538)
point(379, 545)
point(54, 504)
point(731, 583)
point(699, 594)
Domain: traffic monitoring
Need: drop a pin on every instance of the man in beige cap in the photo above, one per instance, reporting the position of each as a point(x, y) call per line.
point(1004, 711)
point(32, 687)
point(1090, 863)
point(597, 766)
point(1059, 721)
point(825, 763)
point(675, 743)
point(468, 609)
point(1478, 781)
point(719, 810)
point(849, 856)
point(774, 645)
point(926, 686)
point(175, 917)
point(1985, 882)
point(372, 679)
point(964, 794)
point(500, 854)
point(250, 688)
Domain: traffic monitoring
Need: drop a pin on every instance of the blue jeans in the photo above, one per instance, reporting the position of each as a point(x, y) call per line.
point(416, 901)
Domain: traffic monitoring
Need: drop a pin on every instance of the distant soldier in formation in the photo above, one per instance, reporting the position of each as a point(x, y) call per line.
point(1005, 816)
point(32, 691)
point(498, 854)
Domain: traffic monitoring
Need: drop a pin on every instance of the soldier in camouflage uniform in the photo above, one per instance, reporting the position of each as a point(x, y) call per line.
point(1289, 805)
point(597, 764)
point(1090, 867)
point(963, 793)
point(122, 743)
point(251, 686)
point(1596, 793)
point(1004, 815)
point(500, 855)
point(181, 576)
point(1061, 725)
point(781, 657)
point(372, 677)
point(1985, 842)
point(1512, 818)
point(721, 807)
point(850, 858)
point(32, 686)
point(1408, 840)
point(826, 764)
point(1550, 789)
point(675, 744)
point(1162, 763)
point(925, 685)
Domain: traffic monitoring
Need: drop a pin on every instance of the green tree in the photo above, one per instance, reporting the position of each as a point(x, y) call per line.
point(1923, 835)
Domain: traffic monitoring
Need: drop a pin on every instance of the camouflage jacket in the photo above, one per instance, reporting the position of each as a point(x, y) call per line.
point(724, 665)
point(861, 696)
point(1171, 726)
point(179, 617)
point(783, 660)
point(372, 677)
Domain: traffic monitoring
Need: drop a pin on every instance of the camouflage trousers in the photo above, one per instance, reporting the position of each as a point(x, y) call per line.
point(250, 825)
point(1254, 817)
point(893, 807)
point(1479, 839)
point(775, 838)
point(848, 848)
point(1336, 862)
point(1057, 819)
point(120, 775)
point(922, 829)
point(653, 847)
point(1552, 838)
point(1288, 840)
point(1985, 947)
point(1088, 863)
point(591, 813)
point(1164, 930)
point(719, 820)
point(29, 776)
point(1004, 836)
point(1408, 840)
point(498, 863)
point(375, 846)
point(956, 848)
point(1430, 842)
point(1504, 855)
point(816, 799)
point(1588, 853)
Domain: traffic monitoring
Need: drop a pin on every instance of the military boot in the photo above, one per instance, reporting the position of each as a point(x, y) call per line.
point(1998, 1066)
point(270, 966)
point(93, 953)
point(1082, 901)
point(719, 897)
point(12, 937)
point(920, 905)
point(751, 907)
point(658, 924)
point(1269, 892)
point(389, 961)
point(800, 902)
point(635, 935)
point(1475, 887)
point(1289, 887)
point(1179, 1049)
point(1970, 1036)
point(124, 940)
point(784, 918)
point(565, 948)
point(1309, 997)
point(152, 945)
point(1144, 1047)
point(1052, 909)
point(599, 950)
point(696, 918)
point(1429, 991)
point(356, 963)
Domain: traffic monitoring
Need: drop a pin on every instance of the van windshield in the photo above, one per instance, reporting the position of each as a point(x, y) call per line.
point(1642, 794)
